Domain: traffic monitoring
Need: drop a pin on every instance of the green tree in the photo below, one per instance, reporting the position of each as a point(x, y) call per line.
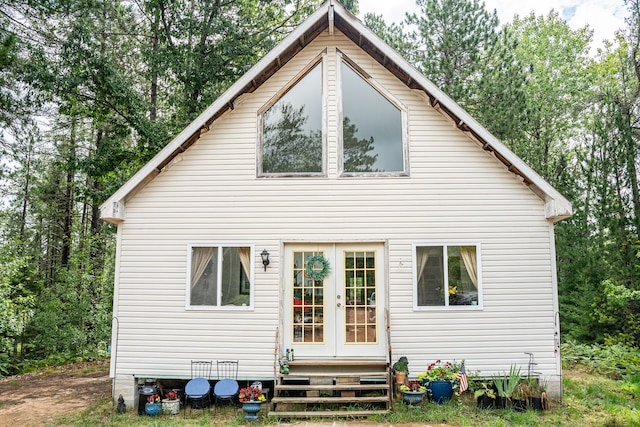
point(455, 39)
point(394, 35)
point(205, 46)
point(556, 60)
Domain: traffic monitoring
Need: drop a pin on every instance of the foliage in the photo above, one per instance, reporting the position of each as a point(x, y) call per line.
point(439, 370)
point(111, 82)
point(317, 267)
point(631, 386)
point(251, 393)
point(484, 389)
point(506, 384)
point(155, 398)
point(615, 361)
point(413, 386)
point(394, 35)
point(171, 395)
point(401, 365)
point(454, 40)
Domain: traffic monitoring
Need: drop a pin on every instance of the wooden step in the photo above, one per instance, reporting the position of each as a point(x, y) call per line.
point(337, 362)
point(320, 400)
point(322, 414)
point(331, 374)
point(329, 387)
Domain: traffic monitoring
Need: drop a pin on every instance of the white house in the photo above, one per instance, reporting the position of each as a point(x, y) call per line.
point(439, 241)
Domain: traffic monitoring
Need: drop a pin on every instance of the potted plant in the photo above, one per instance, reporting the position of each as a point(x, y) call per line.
point(536, 394)
point(485, 396)
point(413, 392)
point(171, 403)
point(439, 379)
point(506, 386)
point(251, 398)
point(401, 370)
point(520, 397)
point(153, 405)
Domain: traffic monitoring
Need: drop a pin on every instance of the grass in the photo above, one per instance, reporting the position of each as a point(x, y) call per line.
point(589, 400)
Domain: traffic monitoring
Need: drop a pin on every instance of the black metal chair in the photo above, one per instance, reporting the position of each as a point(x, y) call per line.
point(227, 388)
point(198, 389)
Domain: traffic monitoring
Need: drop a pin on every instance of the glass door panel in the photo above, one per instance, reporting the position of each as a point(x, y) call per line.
point(307, 302)
point(360, 289)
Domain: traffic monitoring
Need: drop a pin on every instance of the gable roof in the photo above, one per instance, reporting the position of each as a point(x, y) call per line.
point(332, 15)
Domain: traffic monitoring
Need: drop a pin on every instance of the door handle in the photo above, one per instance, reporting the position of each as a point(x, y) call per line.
point(339, 304)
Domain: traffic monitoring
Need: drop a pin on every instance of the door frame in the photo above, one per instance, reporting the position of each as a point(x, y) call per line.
point(331, 348)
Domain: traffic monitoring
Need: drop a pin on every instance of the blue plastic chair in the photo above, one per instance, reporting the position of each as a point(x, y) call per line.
point(198, 390)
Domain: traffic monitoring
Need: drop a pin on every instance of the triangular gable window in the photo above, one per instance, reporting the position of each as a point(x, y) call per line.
point(372, 128)
point(292, 129)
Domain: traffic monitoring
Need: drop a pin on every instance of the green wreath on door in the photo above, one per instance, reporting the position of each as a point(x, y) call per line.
point(321, 273)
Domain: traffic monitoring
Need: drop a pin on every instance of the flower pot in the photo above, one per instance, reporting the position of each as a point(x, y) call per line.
point(486, 402)
point(519, 405)
point(152, 408)
point(502, 402)
point(413, 397)
point(441, 391)
point(251, 407)
point(536, 403)
point(170, 406)
point(401, 376)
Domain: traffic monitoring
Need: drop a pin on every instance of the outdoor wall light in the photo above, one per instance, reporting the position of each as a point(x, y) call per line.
point(265, 258)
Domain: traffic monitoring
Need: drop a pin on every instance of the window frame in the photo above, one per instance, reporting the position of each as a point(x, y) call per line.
point(322, 62)
point(220, 246)
point(445, 245)
point(404, 118)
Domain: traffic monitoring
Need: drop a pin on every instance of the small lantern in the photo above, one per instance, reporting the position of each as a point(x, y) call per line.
point(265, 258)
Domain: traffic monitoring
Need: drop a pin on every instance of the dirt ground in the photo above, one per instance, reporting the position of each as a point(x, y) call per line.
point(36, 398)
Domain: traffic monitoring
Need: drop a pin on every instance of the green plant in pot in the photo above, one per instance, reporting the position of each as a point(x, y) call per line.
point(520, 396)
point(485, 396)
point(536, 394)
point(506, 385)
point(401, 370)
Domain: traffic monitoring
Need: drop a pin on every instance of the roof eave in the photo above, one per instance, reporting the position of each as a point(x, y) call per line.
point(332, 14)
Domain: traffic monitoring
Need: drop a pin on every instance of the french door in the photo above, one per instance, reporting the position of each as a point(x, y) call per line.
point(341, 314)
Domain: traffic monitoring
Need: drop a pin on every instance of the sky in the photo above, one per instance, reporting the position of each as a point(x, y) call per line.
point(604, 17)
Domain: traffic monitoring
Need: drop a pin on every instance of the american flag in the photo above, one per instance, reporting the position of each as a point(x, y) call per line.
point(462, 377)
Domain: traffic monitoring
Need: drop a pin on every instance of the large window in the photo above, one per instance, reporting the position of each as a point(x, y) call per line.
point(220, 276)
point(292, 129)
point(447, 275)
point(371, 128)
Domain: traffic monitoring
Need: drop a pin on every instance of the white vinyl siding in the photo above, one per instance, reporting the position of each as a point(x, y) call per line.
point(456, 192)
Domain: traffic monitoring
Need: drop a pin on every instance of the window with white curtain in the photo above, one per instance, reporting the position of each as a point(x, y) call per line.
point(447, 275)
point(220, 276)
